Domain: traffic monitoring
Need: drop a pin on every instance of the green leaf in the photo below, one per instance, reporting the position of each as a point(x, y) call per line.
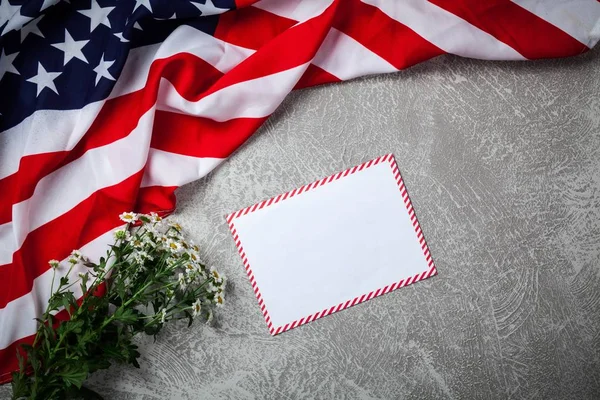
point(74, 375)
point(126, 315)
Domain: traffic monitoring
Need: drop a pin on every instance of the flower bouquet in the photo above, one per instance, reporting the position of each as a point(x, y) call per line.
point(150, 275)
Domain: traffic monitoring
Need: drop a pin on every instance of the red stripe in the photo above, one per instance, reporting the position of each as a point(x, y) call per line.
point(55, 240)
point(251, 27)
point(510, 23)
point(160, 199)
point(296, 46)
point(384, 36)
point(314, 76)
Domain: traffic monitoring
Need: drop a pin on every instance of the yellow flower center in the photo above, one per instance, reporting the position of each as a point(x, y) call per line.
point(173, 245)
point(219, 300)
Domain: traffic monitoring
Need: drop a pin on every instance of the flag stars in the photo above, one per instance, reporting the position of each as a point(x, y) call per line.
point(142, 3)
point(102, 70)
point(7, 10)
point(48, 3)
point(31, 27)
point(121, 38)
point(71, 48)
point(6, 64)
point(44, 79)
point(208, 8)
point(97, 15)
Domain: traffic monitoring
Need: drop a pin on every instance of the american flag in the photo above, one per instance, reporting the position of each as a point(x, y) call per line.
point(108, 106)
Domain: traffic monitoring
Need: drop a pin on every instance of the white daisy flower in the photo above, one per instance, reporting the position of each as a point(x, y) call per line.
point(174, 246)
point(196, 307)
point(154, 217)
point(54, 264)
point(194, 256)
point(76, 254)
point(181, 280)
point(163, 315)
point(215, 274)
point(128, 217)
point(219, 300)
point(137, 243)
point(190, 268)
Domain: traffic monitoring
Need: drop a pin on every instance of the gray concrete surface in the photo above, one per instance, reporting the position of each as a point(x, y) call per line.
point(502, 161)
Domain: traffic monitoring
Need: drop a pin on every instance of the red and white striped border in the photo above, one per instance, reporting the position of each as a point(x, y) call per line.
point(389, 158)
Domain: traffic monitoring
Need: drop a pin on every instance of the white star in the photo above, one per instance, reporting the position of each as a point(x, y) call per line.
point(142, 3)
point(102, 70)
point(97, 15)
point(44, 79)
point(7, 11)
point(6, 64)
point(136, 25)
point(16, 22)
point(71, 48)
point(32, 27)
point(209, 8)
point(121, 37)
point(48, 3)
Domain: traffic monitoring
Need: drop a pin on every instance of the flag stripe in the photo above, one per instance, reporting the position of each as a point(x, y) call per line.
point(200, 137)
point(233, 28)
point(578, 18)
point(522, 30)
point(386, 37)
point(345, 58)
point(445, 30)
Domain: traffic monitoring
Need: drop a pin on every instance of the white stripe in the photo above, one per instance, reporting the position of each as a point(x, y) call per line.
point(185, 39)
point(42, 132)
point(66, 187)
point(169, 169)
point(17, 318)
point(298, 10)
point(446, 30)
point(344, 57)
point(254, 98)
point(48, 131)
point(579, 18)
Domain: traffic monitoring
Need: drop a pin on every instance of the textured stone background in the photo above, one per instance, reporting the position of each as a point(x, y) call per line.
point(502, 161)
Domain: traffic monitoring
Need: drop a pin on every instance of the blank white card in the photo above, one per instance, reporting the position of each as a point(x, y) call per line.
point(331, 244)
